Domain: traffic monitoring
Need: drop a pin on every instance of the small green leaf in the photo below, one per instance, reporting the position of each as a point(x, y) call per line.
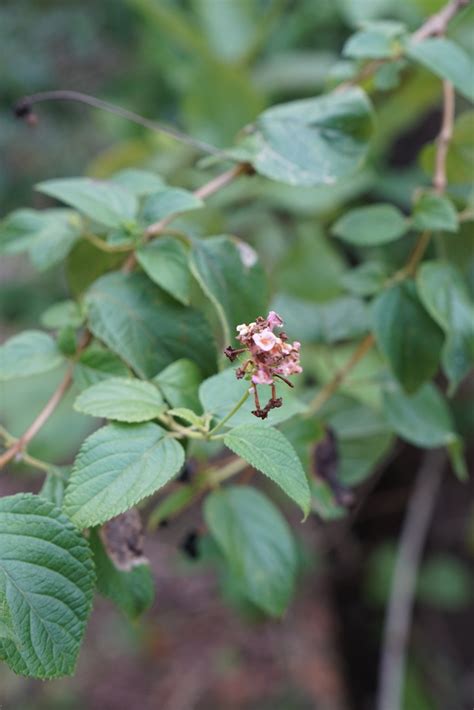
point(376, 40)
point(139, 182)
point(221, 392)
point(422, 419)
point(168, 201)
point(104, 202)
point(367, 226)
point(165, 260)
point(313, 141)
point(447, 60)
point(446, 298)
point(435, 212)
point(46, 586)
point(62, 315)
point(179, 383)
point(96, 364)
point(122, 399)
point(410, 340)
point(187, 414)
point(149, 330)
point(366, 279)
point(133, 592)
point(117, 467)
point(257, 544)
point(229, 273)
point(267, 450)
point(29, 353)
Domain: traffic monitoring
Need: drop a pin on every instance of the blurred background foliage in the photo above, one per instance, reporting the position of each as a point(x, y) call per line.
point(209, 67)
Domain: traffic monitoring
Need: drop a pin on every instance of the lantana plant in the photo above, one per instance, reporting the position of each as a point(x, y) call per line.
point(137, 356)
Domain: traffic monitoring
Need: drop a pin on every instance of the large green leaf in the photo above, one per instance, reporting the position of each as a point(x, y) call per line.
point(118, 466)
point(132, 591)
point(145, 327)
point(229, 273)
point(257, 544)
point(46, 586)
point(410, 340)
point(446, 298)
point(422, 419)
point(104, 202)
point(312, 141)
point(221, 392)
point(28, 353)
point(447, 60)
point(121, 398)
point(366, 226)
point(47, 235)
point(166, 262)
point(267, 450)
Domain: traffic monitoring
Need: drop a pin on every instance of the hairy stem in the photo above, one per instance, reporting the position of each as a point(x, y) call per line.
point(235, 409)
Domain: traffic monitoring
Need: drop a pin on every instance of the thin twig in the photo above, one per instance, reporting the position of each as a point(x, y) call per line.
point(444, 137)
point(400, 606)
point(23, 109)
point(438, 24)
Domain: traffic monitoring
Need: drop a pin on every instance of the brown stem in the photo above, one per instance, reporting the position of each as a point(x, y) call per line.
point(208, 189)
point(438, 24)
point(444, 138)
point(328, 390)
point(400, 605)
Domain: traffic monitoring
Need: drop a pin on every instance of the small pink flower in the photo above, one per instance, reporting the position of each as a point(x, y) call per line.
point(274, 320)
point(262, 377)
point(265, 340)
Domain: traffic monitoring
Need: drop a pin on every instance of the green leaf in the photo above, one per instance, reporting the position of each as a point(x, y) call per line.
point(221, 392)
point(323, 502)
point(168, 201)
point(422, 419)
point(408, 337)
point(366, 279)
point(435, 212)
point(122, 399)
point(267, 450)
point(46, 586)
point(367, 226)
point(96, 364)
point(104, 202)
point(135, 319)
point(62, 315)
point(446, 298)
point(47, 235)
point(29, 353)
point(339, 319)
point(229, 274)
point(139, 182)
point(117, 467)
point(376, 40)
point(257, 544)
point(165, 260)
point(86, 263)
point(133, 592)
point(53, 487)
point(447, 60)
point(179, 383)
point(312, 141)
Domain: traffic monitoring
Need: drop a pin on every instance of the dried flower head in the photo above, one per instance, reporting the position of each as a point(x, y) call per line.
point(268, 356)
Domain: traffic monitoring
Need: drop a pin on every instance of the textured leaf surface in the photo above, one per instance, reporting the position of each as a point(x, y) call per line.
point(145, 327)
point(313, 141)
point(104, 202)
point(267, 450)
point(257, 544)
point(118, 466)
point(366, 226)
point(28, 353)
point(410, 340)
point(166, 262)
point(122, 399)
point(46, 586)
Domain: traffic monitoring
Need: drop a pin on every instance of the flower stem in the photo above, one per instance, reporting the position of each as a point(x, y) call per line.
point(235, 409)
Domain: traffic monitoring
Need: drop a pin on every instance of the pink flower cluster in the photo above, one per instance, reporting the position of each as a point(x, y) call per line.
point(270, 356)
